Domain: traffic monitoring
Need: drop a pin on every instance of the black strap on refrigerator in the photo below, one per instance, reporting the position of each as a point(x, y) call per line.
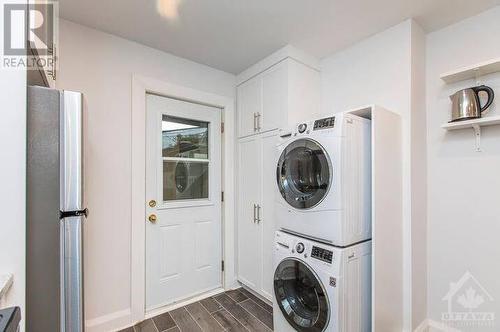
point(76, 213)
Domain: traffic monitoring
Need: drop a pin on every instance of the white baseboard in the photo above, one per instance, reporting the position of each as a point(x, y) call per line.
point(430, 325)
point(118, 320)
point(109, 322)
point(167, 308)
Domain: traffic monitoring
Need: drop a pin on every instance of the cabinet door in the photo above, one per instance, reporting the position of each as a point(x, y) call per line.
point(269, 189)
point(274, 97)
point(249, 235)
point(249, 99)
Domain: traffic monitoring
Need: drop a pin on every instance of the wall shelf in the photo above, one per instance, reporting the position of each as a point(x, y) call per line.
point(470, 72)
point(475, 124)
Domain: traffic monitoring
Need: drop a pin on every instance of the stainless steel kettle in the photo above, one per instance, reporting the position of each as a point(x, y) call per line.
point(466, 104)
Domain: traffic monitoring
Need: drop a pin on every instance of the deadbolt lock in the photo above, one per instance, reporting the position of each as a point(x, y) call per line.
point(152, 203)
point(152, 218)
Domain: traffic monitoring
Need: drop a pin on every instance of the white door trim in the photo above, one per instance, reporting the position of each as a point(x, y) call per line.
point(140, 86)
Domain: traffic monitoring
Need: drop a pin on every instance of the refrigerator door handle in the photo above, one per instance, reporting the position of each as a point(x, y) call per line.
point(71, 151)
point(72, 318)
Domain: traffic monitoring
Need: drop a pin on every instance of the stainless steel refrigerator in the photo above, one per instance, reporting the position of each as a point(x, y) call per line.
point(55, 211)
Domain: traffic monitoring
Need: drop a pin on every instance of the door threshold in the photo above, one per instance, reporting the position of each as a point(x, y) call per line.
point(169, 307)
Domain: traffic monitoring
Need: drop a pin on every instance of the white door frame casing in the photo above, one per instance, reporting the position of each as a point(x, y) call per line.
point(140, 86)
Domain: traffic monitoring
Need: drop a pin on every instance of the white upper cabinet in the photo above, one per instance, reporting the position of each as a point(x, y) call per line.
point(274, 96)
point(278, 92)
point(249, 99)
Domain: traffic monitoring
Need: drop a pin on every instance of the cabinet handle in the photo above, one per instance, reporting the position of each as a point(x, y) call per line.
point(255, 121)
point(258, 121)
point(52, 52)
point(255, 213)
point(54, 63)
point(258, 214)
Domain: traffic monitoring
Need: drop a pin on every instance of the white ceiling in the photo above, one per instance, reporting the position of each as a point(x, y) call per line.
point(231, 35)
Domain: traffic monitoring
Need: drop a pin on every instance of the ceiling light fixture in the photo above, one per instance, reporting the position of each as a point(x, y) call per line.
point(168, 8)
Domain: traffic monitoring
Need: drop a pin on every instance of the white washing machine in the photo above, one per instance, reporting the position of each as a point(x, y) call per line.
point(324, 180)
point(319, 288)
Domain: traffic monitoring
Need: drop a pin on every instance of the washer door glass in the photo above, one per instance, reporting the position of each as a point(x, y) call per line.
point(303, 174)
point(301, 296)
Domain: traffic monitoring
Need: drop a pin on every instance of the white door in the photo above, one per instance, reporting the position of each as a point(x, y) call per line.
point(249, 232)
point(183, 192)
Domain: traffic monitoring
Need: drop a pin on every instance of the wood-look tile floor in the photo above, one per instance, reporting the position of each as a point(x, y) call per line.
point(236, 310)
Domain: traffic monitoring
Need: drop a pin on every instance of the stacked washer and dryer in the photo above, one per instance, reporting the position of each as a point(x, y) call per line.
point(322, 253)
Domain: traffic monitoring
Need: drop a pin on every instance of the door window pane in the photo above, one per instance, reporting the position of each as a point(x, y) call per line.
point(185, 180)
point(184, 138)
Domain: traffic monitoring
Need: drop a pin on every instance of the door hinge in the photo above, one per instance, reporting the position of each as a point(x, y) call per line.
point(222, 266)
point(222, 127)
point(222, 196)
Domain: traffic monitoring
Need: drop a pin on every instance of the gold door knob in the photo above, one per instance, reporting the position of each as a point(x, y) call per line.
point(152, 203)
point(152, 218)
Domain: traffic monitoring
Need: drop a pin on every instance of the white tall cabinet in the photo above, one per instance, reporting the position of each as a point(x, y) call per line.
point(256, 211)
point(281, 90)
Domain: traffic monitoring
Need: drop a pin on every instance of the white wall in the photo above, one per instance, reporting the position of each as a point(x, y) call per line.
point(463, 185)
point(375, 70)
point(101, 66)
point(379, 70)
point(418, 179)
point(12, 179)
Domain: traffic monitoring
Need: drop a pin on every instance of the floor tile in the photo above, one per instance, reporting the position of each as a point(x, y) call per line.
point(184, 321)
point(146, 326)
point(203, 318)
point(173, 329)
point(236, 295)
point(164, 322)
point(233, 311)
point(264, 316)
point(210, 304)
point(243, 316)
point(260, 302)
point(128, 329)
point(228, 322)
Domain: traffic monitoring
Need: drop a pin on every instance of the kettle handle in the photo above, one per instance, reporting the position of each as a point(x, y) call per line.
point(489, 91)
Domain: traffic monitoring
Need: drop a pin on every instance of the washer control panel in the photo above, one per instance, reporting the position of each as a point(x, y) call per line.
point(300, 247)
point(325, 123)
point(322, 254)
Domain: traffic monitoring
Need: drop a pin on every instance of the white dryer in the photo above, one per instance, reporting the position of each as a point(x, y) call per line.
point(324, 180)
point(319, 287)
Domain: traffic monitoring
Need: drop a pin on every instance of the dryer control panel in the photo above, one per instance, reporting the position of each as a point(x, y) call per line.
point(324, 123)
point(322, 254)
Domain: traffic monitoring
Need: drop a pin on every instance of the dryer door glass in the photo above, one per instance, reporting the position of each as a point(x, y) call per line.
point(300, 296)
point(303, 174)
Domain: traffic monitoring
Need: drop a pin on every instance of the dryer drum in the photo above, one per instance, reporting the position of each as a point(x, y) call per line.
point(303, 174)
